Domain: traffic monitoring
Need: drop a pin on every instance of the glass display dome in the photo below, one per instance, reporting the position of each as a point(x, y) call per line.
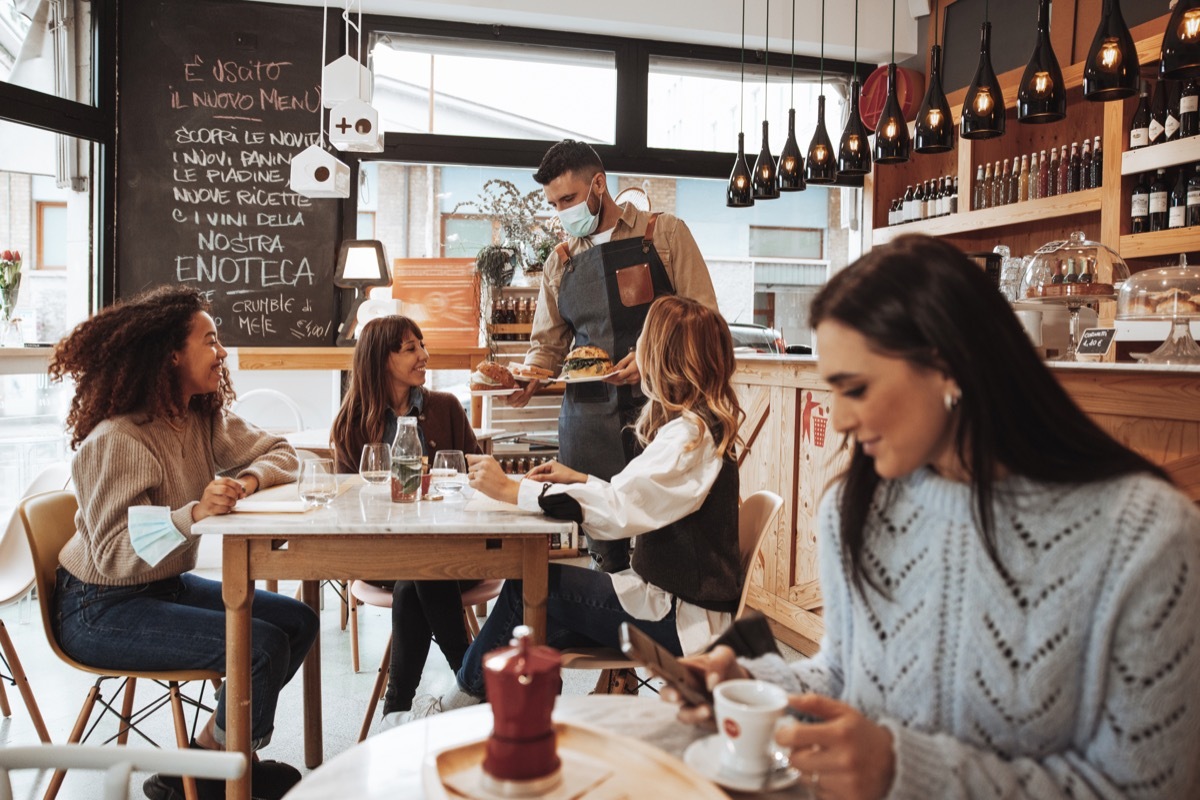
point(1169, 293)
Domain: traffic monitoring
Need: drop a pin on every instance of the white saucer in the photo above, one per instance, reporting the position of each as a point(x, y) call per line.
point(584, 379)
point(495, 392)
point(704, 756)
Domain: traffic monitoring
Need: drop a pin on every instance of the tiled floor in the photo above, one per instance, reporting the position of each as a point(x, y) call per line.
point(60, 691)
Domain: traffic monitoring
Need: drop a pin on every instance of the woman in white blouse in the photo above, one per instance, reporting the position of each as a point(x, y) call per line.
point(679, 497)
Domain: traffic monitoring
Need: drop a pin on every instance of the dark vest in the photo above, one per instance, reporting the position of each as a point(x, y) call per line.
point(697, 558)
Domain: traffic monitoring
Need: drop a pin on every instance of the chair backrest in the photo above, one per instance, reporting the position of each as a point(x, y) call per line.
point(755, 518)
point(119, 762)
point(49, 521)
point(261, 407)
point(16, 563)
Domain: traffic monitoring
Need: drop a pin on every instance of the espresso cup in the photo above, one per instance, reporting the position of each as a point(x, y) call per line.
point(747, 712)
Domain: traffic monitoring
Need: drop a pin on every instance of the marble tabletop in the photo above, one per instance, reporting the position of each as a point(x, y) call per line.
point(388, 765)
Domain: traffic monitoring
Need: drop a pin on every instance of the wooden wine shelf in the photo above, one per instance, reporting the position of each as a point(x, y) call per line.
point(1160, 243)
point(1148, 159)
point(497, 328)
point(966, 222)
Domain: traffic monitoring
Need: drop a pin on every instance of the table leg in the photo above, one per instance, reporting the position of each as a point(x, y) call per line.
point(313, 746)
point(238, 594)
point(534, 576)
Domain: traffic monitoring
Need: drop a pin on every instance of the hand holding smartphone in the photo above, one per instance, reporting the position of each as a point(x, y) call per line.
point(639, 647)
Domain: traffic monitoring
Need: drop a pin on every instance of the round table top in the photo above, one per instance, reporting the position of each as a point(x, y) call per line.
point(388, 765)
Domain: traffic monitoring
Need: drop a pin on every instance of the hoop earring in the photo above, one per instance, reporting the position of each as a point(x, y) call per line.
point(950, 400)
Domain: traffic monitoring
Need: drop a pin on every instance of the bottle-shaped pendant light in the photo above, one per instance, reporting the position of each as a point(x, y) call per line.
point(935, 127)
point(791, 164)
point(854, 153)
point(766, 184)
point(1111, 69)
point(821, 167)
point(1042, 96)
point(892, 143)
point(1181, 43)
point(983, 110)
point(740, 193)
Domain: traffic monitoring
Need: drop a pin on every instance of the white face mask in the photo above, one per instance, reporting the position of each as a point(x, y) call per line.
point(579, 220)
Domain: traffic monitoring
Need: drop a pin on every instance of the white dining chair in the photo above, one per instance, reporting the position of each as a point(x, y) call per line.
point(118, 764)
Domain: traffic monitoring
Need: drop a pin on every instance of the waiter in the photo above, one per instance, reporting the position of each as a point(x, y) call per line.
point(596, 289)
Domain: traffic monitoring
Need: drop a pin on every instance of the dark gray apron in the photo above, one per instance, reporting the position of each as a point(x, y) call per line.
point(604, 296)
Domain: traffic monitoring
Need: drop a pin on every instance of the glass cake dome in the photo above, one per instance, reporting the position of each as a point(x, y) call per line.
point(1075, 272)
point(1169, 293)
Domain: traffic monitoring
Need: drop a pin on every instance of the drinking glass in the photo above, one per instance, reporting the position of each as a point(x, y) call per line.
point(375, 466)
point(448, 472)
point(318, 481)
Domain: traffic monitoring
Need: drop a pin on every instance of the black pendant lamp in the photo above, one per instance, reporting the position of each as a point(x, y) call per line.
point(892, 144)
point(1042, 96)
point(791, 164)
point(983, 110)
point(739, 193)
point(821, 167)
point(1111, 69)
point(935, 127)
point(766, 183)
point(1181, 43)
point(854, 153)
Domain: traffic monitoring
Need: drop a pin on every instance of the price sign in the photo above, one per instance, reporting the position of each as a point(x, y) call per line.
point(1095, 341)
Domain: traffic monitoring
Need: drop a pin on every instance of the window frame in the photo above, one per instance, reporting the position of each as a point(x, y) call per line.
point(40, 207)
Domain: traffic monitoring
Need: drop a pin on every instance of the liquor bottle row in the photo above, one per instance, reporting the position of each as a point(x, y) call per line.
point(521, 465)
point(935, 197)
point(511, 311)
point(1173, 113)
point(1159, 203)
point(1039, 175)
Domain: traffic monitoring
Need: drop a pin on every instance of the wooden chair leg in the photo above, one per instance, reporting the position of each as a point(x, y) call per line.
point(616, 681)
point(5, 708)
point(81, 721)
point(353, 614)
point(347, 603)
point(181, 736)
point(22, 681)
point(126, 710)
point(377, 691)
point(481, 609)
point(272, 586)
point(471, 624)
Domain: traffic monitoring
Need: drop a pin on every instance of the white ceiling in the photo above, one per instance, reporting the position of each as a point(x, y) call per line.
point(709, 22)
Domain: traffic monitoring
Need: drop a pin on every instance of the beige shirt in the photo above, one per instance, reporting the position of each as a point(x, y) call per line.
point(552, 337)
point(127, 461)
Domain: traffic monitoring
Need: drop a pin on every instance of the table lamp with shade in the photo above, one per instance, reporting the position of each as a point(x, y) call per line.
point(361, 265)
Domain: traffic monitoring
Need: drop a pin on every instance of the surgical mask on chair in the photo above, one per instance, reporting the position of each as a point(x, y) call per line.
point(152, 533)
point(578, 220)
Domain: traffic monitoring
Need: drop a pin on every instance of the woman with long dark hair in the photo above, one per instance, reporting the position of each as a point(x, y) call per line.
point(1010, 594)
point(388, 382)
point(151, 422)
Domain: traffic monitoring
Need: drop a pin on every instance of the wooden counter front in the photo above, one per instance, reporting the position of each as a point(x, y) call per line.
point(792, 449)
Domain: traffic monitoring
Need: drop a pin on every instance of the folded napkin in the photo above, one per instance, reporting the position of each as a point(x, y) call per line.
point(282, 499)
point(583, 779)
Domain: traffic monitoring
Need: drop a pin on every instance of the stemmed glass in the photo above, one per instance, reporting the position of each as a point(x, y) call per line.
point(375, 465)
point(318, 481)
point(448, 471)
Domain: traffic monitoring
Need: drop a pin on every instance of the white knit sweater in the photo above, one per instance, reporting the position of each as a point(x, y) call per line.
point(1069, 672)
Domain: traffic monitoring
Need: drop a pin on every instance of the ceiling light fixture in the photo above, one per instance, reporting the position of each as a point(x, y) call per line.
point(739, 193)
point(791, 163)
point(935, 127)
point(821, 167)
point(1042, 97)
point(892, 143)
point(854, 154)
point(766, 184)
point(1181, 43)
point(983, 110)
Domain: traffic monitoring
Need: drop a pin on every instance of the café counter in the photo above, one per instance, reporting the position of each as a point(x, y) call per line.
point(792, 449)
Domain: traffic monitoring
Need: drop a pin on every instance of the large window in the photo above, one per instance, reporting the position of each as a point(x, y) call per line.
point(49, 51)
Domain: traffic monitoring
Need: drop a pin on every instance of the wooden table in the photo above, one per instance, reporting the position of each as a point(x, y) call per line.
point(362, 535)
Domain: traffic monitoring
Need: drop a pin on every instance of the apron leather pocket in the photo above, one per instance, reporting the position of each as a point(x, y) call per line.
point(635, 285)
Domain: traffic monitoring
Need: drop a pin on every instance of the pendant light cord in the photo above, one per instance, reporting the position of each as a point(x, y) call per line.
point(766, 56)
point(742, 79)
point(792, 78)
point(893, 31)
point(324, 36)
point(936, 19)
point(822, 46)
point(855, 39)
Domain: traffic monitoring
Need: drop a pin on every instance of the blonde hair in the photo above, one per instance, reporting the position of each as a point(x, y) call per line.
point(687, 362)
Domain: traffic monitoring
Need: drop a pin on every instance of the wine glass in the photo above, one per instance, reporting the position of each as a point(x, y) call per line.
point(375, 466)
point(448, 472)
point(318, 481)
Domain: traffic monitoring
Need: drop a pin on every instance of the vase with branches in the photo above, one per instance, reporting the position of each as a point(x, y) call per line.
point(523, 234)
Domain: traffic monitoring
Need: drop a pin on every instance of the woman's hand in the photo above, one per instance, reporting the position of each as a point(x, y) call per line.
point(554, 472)
point(249, 483)
point(713, 667)
point(219, 498)
point(486, 476)
point(625, 371)
point(845, 755)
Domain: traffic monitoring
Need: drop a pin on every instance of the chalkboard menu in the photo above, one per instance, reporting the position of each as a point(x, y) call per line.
point(214, 100)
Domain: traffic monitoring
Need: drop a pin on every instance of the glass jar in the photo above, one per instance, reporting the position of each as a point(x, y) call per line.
point(1075, 271)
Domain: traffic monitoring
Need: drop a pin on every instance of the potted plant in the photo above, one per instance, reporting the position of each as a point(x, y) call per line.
point(516, 215)
point(496, 264)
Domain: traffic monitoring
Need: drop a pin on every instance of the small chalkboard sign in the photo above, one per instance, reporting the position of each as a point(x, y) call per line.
point(1095, 341)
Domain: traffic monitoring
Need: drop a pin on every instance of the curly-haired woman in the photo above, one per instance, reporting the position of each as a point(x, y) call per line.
point(151, 423)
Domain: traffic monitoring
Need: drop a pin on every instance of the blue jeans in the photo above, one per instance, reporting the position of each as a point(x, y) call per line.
point(179, 623)
point(582, 610)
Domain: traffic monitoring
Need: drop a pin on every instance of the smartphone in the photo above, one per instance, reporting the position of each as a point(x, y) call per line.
point(639, 647)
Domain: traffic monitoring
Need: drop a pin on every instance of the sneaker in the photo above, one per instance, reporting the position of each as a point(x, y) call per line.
point(170, 787)
point(271, 780)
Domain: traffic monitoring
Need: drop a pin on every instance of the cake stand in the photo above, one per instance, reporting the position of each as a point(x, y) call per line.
point(1170, 294)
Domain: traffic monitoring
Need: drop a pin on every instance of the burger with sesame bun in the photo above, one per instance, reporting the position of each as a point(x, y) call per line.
point(488, 376)
point(586, 361)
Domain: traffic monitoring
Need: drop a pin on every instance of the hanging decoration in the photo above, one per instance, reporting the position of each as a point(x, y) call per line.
point(935, 128)
point(314, 172)
point(1111, 69)
point(1042, 96)
point(854, 154)
point(983, 110)
point(821, 167)
point(791, 163)
point(739, 193)
point(892, 143)
point(766, 183)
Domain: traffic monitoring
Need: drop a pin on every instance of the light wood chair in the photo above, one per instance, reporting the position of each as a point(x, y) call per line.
point(49, 522)
point(617, 673)
point(372, 595)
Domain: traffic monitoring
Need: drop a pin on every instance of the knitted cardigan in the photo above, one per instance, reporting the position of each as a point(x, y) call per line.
point(1069, 671)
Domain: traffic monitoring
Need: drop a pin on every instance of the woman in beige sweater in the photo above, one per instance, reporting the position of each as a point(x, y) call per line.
point(151, 423)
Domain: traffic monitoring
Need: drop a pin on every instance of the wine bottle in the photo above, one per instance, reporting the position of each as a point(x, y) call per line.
point(1139, 127)
point(954, 196)
point(1033, 175)
point(977, 189)
point(1158, 112)
point(1140, 206)
point(987, 186)
point(919, 202)
point(1159, 193)
point(997, 184)
point(1171, 126)
point(1085, 165)
point(1193, 197)
point(1014, 181)
point(1064, 166)
point(1189, 109)
point(1097, 164)
point(1002, 184)
point(1073, 167)
point(930, 199)
point(1052, 176)
point(1177, 203)
point(906, 206)
point(1023, 180)
point(1043, 189)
